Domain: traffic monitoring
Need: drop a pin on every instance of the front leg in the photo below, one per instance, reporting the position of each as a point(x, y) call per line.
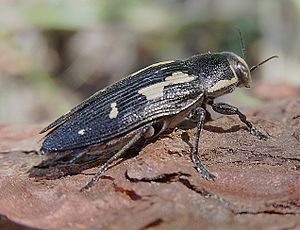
point(226, 109)
point(198, 115)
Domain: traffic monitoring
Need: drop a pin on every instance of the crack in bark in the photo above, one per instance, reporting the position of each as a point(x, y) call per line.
point(152, 224)
point(180, 177)
point(256, 158)
point(194, 188)
point(30, 151)
point(270, 212)
point(20, 151)
point(270, 208)
point(129, 192)
point(162, 178)
point(174, 177)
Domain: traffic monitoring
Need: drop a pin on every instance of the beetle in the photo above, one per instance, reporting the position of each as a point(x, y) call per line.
point(147, 103)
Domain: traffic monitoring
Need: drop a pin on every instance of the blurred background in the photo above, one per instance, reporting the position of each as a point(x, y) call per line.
point(55, 53)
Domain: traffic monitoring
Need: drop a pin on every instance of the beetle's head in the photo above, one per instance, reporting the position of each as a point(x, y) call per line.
point(240, 69)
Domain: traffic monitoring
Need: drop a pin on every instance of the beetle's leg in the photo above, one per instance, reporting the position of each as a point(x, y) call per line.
point(117, 155)
point(226, 109)
point(199, 115)
point(208, 101)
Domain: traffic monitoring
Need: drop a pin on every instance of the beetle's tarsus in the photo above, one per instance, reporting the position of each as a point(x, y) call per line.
point(206, 174)
point(201, 168)
point(258, 134)
point(90, 184)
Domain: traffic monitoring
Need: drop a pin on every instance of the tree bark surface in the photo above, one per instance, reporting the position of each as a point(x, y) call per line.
point(257, 182)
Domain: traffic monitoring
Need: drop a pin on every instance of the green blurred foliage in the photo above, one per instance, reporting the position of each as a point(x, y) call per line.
point(54, 53)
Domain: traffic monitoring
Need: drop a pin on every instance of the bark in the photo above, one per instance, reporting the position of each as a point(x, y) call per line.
point(257, 183)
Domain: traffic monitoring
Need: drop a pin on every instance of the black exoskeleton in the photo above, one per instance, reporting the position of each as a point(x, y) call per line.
point(148, 102)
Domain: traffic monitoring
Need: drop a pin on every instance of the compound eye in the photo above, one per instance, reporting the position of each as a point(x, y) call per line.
point(241, 70)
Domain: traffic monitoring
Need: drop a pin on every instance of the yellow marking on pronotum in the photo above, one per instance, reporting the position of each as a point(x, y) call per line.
point(156, 90)
point(114, 110)
point(81, 132)
point(150, 66)
point(224, 83)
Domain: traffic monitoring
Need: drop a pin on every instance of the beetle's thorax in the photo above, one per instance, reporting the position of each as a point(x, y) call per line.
point(220, 73)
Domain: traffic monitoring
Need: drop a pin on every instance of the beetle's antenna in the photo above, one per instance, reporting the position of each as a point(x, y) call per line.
point(263, 62)
point(242, 43)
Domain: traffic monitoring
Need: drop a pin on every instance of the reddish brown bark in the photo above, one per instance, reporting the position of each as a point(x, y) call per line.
point(257, 184)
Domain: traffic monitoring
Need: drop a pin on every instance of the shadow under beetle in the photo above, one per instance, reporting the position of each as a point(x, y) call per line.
point(146, 103)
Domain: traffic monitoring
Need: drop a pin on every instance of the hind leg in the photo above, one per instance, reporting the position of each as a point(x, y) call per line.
point(145, 131)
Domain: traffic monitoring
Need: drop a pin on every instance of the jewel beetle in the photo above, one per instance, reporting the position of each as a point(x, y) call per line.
point(148, 102)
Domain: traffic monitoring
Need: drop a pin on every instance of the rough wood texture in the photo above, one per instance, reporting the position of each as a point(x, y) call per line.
point(257, 185)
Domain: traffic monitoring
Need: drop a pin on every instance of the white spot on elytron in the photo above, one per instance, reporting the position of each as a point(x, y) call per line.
point(150, 66)
point(224, 83)
point(114, 110)
point(180, 77)
point(157, 90)
point(81, 132)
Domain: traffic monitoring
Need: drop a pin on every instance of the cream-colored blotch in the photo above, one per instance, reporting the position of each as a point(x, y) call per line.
point(150, 66)
point(224, 83)
point(81, 132)
point(114, 110)
point(156, 90)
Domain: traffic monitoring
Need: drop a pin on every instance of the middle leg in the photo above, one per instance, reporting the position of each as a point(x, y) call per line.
point(198, 115)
